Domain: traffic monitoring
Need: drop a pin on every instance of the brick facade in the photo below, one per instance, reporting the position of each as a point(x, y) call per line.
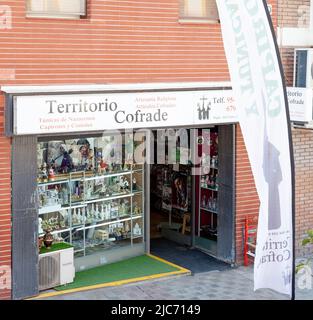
point(303, 149)
point(296, 14)
point(247, 200)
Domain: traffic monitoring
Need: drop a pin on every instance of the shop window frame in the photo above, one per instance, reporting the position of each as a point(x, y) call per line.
point(134, 239)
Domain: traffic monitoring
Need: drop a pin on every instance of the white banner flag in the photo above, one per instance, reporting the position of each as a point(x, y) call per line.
point(260, 96)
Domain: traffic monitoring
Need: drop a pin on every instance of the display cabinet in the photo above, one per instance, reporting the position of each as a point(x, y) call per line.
point(209, 186)
point(209, 200)
point(94, 209)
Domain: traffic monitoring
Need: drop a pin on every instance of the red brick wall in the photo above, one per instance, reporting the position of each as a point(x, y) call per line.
point(303, 150)
point(287, 55)
point(119, 41)
point(247, 200)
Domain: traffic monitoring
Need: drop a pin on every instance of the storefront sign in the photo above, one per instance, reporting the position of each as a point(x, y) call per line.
point(300, 104)
point(261, 99)
point(51, 114)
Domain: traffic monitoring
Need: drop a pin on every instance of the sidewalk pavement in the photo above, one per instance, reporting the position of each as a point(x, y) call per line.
point(231, 284)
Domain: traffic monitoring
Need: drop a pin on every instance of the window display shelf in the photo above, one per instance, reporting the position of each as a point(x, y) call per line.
point(56, 231)
point(51, 209)
point(209, 210)
point(82, 203)
point(137, 237)
point(109, 221)
point(208, 188)
point(137, 192)
point(113, 197)
point(101, 224)
point(51, 183)
point(109, 175)
point(89, 177)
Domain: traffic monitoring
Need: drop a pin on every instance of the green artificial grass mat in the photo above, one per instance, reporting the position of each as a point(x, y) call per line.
point(127, 269)
point(56, 247)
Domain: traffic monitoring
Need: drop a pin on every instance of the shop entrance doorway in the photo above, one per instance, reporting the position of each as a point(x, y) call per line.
point(192, 202)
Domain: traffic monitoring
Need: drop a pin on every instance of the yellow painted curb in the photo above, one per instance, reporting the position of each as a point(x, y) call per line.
point(168, 263)
point(120, 282)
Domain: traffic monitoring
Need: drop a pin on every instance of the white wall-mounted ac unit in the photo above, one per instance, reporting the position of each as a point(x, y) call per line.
point(56, 268)
point(303, 68)
point(302, 125)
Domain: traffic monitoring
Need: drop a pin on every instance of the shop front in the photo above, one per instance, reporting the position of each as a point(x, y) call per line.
point(95, 170)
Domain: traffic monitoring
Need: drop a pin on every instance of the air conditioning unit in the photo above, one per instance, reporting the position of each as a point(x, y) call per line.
point(303, 68)
point(56, 268)
point(303, 125)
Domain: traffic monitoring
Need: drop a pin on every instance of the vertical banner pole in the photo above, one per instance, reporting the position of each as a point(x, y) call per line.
point(261, 99)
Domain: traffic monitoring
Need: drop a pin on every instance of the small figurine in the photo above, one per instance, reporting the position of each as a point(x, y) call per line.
point(203, 201)
point(214, 162)
point(125, 167)
point(203, 184)
point(64, 196)
point(40, 230)
point(136, 209)
point(51, 175)
point(74, 217)
point(98, 213)
point(208, 181)
point(205, 163)
point(124, 184)
point(134, 184)
point(99, 171)
point(108, 211)
point(103, 166)
point(102, 213)
point(127, 228)
point(48, 239)
point(137, 230)
point(67, 161)
point(79, 216)
point(44, 173)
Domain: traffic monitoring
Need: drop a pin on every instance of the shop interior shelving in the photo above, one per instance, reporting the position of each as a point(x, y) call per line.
point(212, 192)
point(91, 220)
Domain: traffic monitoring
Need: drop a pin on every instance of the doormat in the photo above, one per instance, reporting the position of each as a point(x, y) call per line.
point(145, 267)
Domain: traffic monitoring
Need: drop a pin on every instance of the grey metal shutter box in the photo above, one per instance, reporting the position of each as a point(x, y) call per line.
point(24, 217)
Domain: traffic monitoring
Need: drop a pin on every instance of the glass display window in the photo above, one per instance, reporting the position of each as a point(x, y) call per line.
point(89, 192)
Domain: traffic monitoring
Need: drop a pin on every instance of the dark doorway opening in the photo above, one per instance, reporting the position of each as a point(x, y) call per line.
point(190, 258)
point(192, 214)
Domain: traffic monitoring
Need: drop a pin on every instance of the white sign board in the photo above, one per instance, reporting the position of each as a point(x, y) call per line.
point(300, 104)
point(96, 112)
point(51, 114)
